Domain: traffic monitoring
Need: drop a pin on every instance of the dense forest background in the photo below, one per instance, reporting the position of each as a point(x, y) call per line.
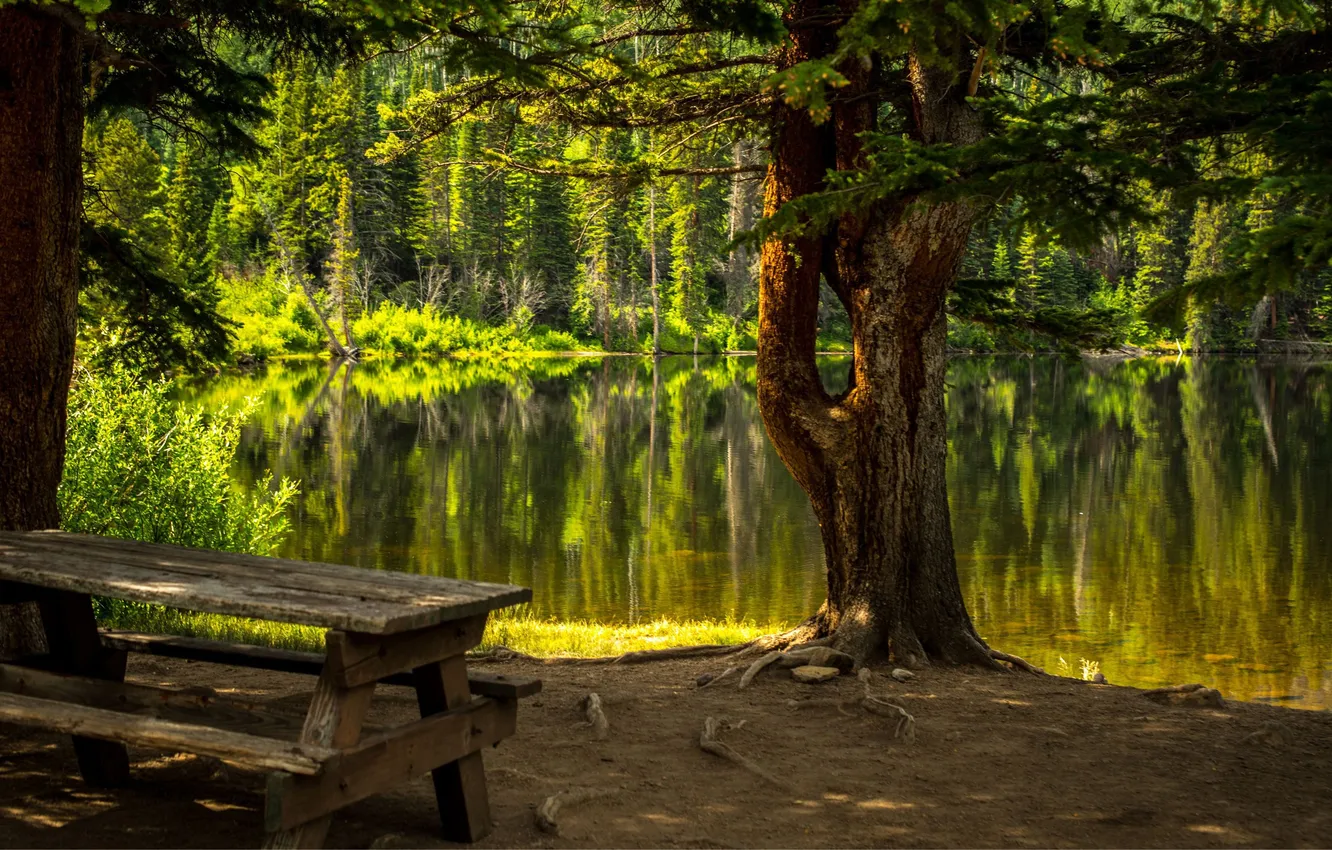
point(503, 233)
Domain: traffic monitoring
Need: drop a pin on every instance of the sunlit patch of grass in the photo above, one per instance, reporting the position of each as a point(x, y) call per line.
point(519, 631)
point(588, 639)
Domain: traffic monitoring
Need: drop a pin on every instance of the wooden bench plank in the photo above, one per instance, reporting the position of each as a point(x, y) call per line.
point(281, 590)
point(497, 685)
point(383, 761)
point(189, 706)
point(354, 582)
point(251, 750)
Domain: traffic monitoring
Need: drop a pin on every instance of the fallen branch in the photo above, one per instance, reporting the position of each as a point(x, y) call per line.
point(596, 718)
point(709, 743)
point(1016, 662)
point(546, 813)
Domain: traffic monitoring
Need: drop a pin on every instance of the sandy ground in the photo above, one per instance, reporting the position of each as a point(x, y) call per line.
point(998, 760)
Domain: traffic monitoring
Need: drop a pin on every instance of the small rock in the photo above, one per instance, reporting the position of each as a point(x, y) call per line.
point(704, 679)
point(902, 675)
point(1271, 733)
point(811, 675)
point(1099, 679)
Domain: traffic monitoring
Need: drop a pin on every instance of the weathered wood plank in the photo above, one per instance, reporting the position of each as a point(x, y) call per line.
point(359, 658)
point(379, 763)
point(252, 750)
point(235, 595)
point(334, 720)
point(70, 628)
point(498, 685)
point(354, 582)
point(459, 597)
point(460, 786)
point(196, 705)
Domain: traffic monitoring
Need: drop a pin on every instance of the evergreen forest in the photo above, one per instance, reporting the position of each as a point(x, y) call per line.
point(350, 221)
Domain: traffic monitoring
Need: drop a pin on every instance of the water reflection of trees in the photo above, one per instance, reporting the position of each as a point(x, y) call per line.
point(1150, 515)
point(1170, 520)
point(555, 474)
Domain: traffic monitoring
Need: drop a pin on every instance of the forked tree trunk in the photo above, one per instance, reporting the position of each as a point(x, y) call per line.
point(872, 459)
point(41, 131)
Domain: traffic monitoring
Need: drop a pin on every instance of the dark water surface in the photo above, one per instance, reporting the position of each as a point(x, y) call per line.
point(1171, 521)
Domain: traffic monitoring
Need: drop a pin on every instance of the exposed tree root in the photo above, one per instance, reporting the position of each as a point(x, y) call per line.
point(757, 667)
point(817, 655)
point(709, 743)
point(906, 722)
point(547, 812)
point(1017, 663)
point(596, 718)
point(722, 675)
point(806, 636)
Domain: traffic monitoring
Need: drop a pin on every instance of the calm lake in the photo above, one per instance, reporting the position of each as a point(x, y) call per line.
point(1171, 521)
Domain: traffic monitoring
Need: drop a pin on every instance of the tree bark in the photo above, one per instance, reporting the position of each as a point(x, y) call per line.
point(872, 459)
point(41, 182)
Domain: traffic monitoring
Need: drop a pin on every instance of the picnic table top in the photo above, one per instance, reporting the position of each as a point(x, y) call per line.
point(307, 593)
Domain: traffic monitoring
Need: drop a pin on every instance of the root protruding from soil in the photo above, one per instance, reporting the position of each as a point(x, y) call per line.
point(906, 721)
point(547, 813)
point(596, 716)
point(710, 743)
point(1017, 663)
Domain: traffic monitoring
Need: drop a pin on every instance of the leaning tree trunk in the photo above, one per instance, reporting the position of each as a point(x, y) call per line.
point(872, 459)
point(41, 116)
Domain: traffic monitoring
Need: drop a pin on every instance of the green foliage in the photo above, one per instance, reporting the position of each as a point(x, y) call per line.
point(508, 178)
point(139, 466)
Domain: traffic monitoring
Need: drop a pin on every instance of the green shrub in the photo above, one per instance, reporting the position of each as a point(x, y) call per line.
point(140, 467)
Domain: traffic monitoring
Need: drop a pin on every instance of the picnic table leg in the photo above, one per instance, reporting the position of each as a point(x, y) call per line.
point(76, 648)
point(334, 720)
point(460, 786)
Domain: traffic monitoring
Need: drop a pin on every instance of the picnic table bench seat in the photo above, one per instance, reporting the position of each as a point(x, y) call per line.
point(392, 628)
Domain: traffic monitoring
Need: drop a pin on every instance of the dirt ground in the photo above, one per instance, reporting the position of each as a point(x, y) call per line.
point(998, 760)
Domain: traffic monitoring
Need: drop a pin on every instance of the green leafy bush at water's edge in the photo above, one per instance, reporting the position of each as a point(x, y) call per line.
point(139, 466)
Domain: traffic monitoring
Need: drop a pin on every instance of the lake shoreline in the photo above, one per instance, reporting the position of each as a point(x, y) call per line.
point(997, 760)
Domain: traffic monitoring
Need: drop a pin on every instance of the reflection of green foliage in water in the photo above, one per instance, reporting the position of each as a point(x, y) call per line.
point(1139, 515)
point(1156, 517)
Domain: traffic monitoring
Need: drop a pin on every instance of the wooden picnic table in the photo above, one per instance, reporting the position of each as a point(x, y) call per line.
point(383, 627)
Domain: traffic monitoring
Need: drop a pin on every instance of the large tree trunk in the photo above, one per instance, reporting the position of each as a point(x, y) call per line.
point(41, 132)
point(872, 459)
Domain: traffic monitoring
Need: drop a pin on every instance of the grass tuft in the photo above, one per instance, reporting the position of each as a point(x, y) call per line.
point(519, 630)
